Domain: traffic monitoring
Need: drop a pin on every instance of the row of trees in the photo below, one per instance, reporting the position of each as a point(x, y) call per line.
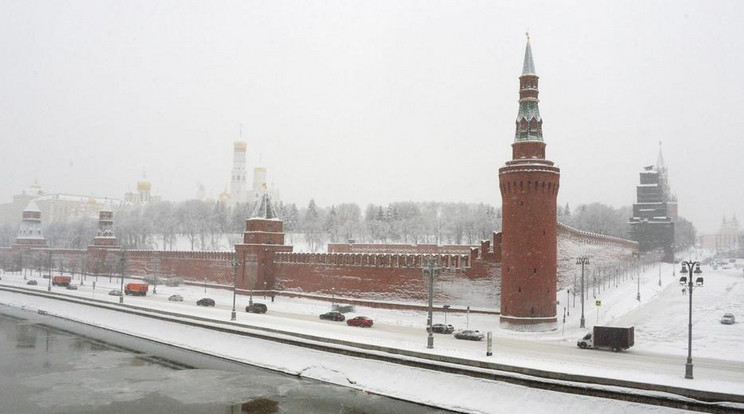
point(209, 225)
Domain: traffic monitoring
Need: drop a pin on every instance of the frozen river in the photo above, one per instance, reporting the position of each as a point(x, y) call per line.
point(47, 370)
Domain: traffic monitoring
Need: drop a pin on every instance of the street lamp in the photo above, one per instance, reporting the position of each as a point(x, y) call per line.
point(687, 269)
point(235, 265)
point(431, 269)
point(49, 287)
point(333, 297)
point(583, 261)
point(122, 263)
point(659, 274)
point(637, 256)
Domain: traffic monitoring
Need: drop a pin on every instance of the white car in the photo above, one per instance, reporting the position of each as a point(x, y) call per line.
point(728, 319)
point(175, 298)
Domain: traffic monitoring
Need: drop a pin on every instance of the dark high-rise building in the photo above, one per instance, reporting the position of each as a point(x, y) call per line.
point(655, 212)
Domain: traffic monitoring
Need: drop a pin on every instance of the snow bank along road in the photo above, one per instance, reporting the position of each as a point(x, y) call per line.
point(310, 334)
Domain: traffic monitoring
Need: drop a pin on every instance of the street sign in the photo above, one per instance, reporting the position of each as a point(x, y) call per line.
point(599, 303)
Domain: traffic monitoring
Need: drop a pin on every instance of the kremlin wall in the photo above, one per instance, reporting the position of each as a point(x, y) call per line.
point(390, 272)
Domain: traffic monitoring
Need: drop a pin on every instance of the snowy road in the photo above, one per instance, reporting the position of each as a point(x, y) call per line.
point(658, 357)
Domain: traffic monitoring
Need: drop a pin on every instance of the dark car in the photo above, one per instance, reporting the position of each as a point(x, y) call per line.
point(333, 316)
point(115, 292)
point(72, 287)
point(728, 319)
point(441, 328)
point(469, 335)
point(362, 321)
point(46, 276)
point(32, 282)
point(256, 308)
point(205, 302)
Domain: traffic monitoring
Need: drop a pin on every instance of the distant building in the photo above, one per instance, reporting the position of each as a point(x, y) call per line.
point(142, 196)
point(655, 211)
point(238, 177)
point(239, 191)
point(54, 207)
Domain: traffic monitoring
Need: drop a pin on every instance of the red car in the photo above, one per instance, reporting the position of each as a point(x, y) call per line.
point(362, 321)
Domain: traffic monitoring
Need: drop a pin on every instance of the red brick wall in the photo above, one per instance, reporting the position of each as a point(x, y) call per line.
point(529, 190)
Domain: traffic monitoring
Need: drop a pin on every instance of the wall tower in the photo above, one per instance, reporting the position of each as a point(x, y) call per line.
point(262, 239)
point(529, 188)
point(30, 234)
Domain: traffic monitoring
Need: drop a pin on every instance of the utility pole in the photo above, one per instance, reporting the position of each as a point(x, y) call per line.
point(431, 269)
point(583, 261)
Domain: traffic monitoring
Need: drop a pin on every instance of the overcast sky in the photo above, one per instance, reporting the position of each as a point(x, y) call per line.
point(374, 101)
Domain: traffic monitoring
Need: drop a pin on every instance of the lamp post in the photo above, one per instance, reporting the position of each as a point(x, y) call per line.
point(687, 270)
point(122, 263)
point(49, 287)
point(431, 269)
point(333, 297)
point(636, 256)
point(659, 274)
point(235, 265)
point(583, 261)
point(568, 300)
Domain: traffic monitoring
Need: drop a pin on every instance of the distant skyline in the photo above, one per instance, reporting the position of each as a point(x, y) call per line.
point(371, 102)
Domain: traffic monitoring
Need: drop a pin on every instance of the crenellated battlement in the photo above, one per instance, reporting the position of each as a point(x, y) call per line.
point(594, 238)
point(378, 260)
point(180, 254)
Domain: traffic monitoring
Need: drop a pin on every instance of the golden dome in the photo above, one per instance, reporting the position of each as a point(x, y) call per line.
point(143, 186)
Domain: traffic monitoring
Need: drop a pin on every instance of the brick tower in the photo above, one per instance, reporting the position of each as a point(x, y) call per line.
point(529, 188)
point(263, 237)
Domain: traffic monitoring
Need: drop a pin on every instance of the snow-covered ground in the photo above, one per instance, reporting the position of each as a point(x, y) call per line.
point(660, 321)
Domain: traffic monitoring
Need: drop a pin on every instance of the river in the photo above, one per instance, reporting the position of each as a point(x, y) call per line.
point(45, 369)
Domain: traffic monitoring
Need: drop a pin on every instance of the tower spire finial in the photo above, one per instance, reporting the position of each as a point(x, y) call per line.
point(527, 33)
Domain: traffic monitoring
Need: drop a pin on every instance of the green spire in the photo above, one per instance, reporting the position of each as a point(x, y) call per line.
point(528, 67)
point(529, 122)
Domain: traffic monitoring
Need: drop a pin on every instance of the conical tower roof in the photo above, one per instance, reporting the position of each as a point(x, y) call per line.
point(529, 122)
point(528, 67)
point(264, 209)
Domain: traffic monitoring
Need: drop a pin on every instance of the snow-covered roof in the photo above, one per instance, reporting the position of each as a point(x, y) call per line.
point(32, 207)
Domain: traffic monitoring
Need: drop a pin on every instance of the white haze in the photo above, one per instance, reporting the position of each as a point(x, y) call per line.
point(371, 101)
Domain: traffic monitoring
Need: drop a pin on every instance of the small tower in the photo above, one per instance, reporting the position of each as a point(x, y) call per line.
point(105, 236)
point(529, 189)
point(29, 234)
point(238, 178)
point(263, 237)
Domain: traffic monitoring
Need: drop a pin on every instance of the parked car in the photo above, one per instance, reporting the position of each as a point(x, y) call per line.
point(441, 328)
point(32, 282)
point(115, 292)
point(362, 321)
point(175, 298)
point(46, 276)
point(256, 308)
point(333, 316)
point(728, 319)
point(205, 302)
point(470, 335)
point(72, 287)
